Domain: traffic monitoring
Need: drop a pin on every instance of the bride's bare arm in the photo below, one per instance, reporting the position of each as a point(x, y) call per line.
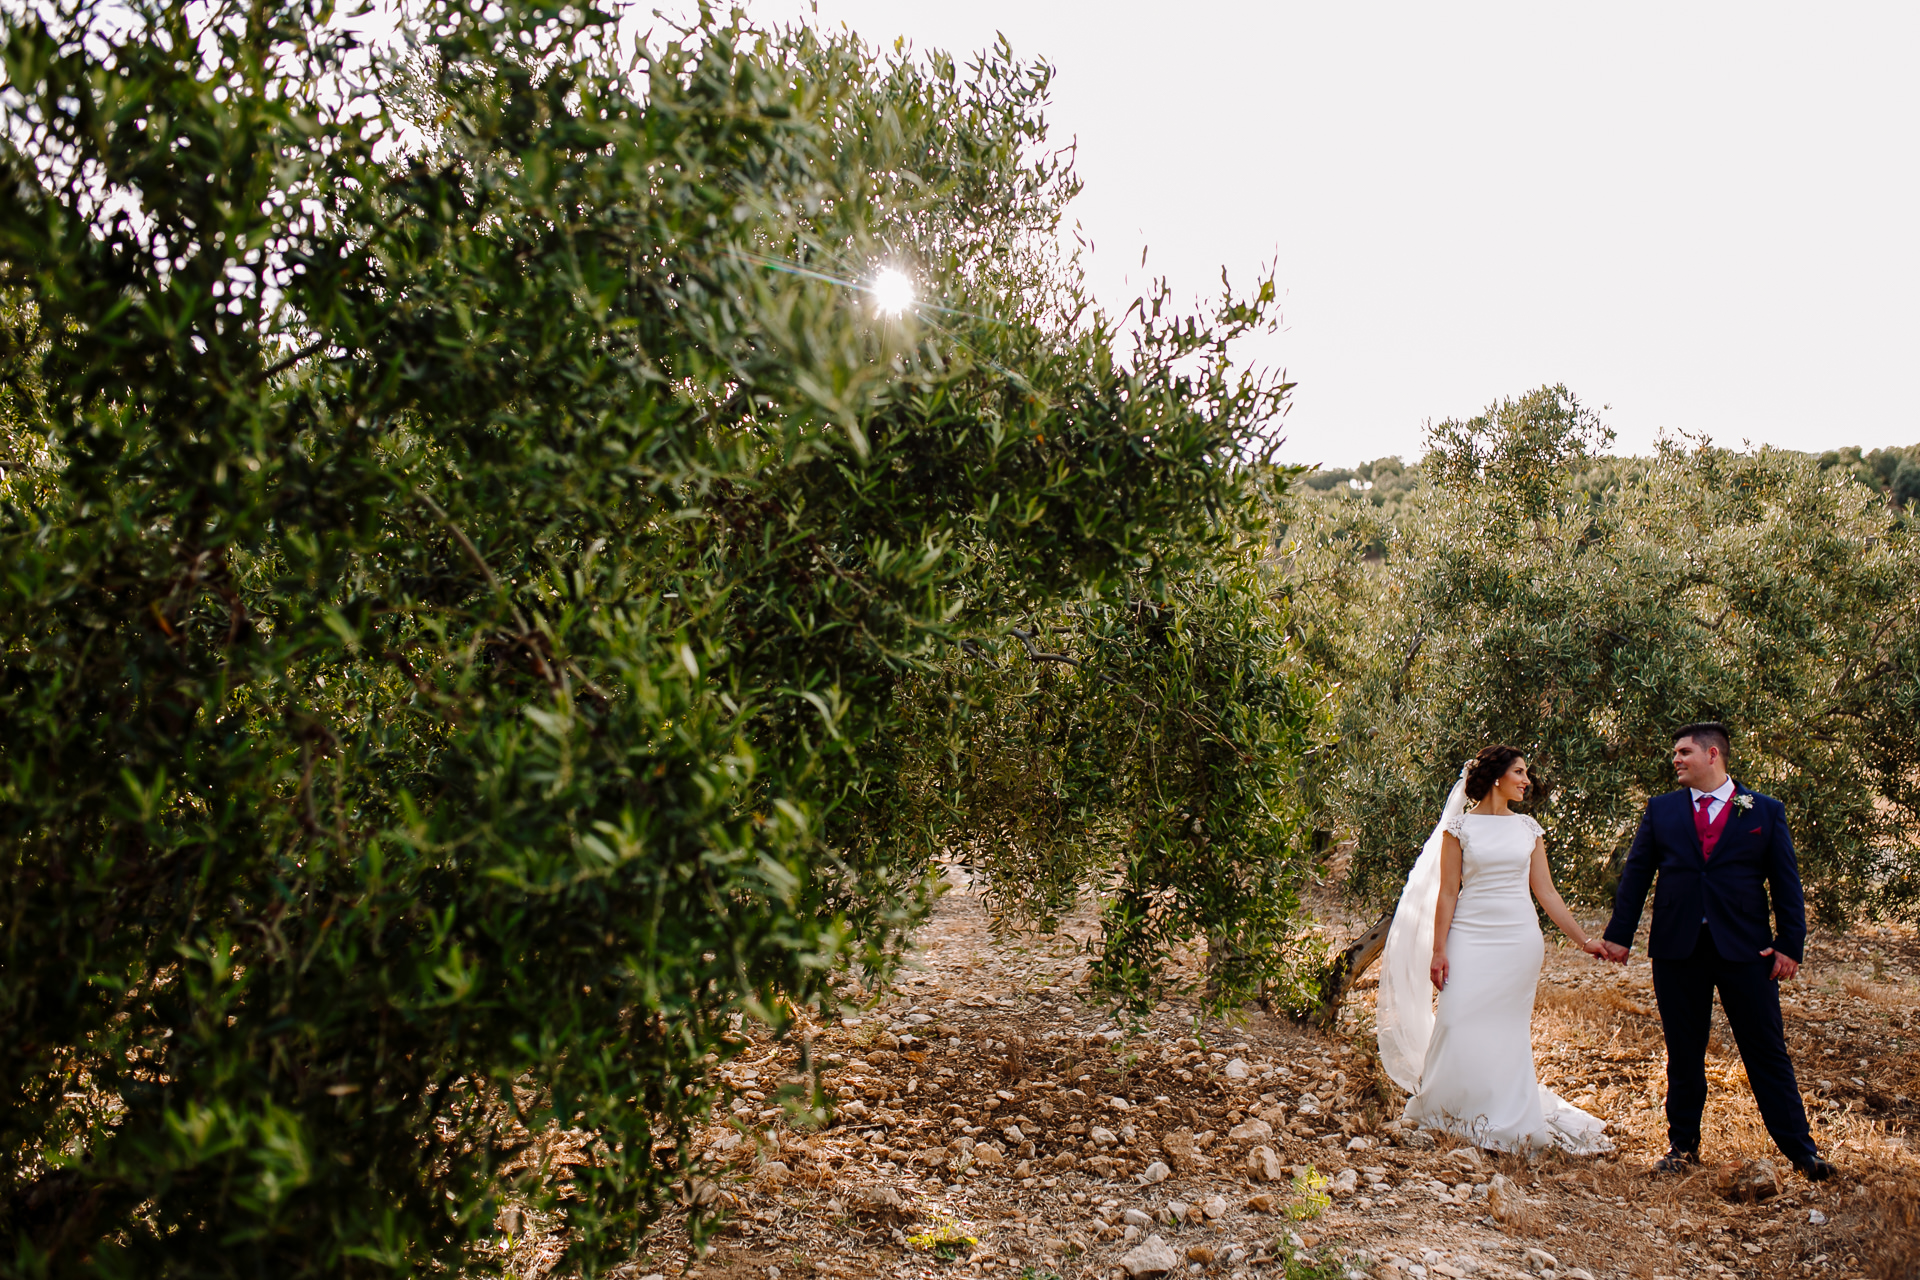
point(1540, 877)
point(1443, 910)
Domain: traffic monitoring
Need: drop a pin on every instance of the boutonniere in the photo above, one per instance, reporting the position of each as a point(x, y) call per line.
point(1742, 801)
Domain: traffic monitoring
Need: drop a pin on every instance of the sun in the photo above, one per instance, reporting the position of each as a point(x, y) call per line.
point(892, 291)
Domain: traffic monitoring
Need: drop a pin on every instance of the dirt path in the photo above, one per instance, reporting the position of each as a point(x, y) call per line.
point(993, 1120)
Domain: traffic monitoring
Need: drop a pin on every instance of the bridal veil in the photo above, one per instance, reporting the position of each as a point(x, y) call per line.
point(1403, 1014)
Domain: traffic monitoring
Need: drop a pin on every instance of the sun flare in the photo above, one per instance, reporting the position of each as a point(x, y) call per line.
point(892, 291)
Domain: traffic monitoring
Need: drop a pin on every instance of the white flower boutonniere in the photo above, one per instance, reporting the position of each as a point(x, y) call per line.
point(1743, 801)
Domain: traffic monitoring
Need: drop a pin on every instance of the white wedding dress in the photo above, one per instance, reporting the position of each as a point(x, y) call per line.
point(1467, 1059)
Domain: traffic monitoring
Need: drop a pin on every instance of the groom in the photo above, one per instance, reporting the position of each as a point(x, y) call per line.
point(1720, 850)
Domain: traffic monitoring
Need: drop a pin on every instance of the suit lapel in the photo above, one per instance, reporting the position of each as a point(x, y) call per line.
point(1734, 833)
point(1683, 804)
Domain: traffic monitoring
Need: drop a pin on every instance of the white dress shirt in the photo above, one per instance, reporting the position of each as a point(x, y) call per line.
point(1721, 794)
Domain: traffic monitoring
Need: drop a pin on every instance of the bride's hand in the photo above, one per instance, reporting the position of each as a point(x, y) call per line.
point(1438, 972)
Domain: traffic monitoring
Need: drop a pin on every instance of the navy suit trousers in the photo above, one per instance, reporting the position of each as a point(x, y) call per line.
point(1751, 998)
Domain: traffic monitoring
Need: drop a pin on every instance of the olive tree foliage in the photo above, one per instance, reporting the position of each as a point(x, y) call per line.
point(1581, 607)
point(1143, 748)
point(464, 534)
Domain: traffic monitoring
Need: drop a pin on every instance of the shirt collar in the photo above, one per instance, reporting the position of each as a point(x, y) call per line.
point(1720, 793)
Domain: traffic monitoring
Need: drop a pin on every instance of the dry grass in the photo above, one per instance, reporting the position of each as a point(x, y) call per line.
point(1890, 1230)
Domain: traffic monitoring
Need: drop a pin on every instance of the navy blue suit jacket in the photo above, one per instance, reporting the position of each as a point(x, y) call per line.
point(1754, 860)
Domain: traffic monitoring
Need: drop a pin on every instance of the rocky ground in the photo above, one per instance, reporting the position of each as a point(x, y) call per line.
point(992, 1119)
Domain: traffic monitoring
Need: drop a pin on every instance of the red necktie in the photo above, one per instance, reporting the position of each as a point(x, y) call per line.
point(1708, 836)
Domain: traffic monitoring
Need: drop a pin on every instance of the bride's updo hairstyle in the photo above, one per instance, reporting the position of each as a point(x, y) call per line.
point(1487, 768)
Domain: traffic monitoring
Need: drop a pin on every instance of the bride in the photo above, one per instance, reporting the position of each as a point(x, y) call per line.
point(1466, 927)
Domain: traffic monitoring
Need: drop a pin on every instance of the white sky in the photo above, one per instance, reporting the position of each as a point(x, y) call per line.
point(1702, 216)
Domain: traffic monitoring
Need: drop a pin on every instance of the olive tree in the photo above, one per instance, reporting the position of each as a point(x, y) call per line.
point(466, 530)
point(1581, 607)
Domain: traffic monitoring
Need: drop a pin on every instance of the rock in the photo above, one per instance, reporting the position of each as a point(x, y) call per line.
point(1215, 1207)
point(1442, 1269)
point(774, 1172)
point(1064, 1161)
point(1137, 1218)
point(1131, 1234)
point(1503, 1198)
point(1576, 1273)
point(1151, 1258)
point(1024, 1169)
point(728, 1141)
point(1345, 1183)
point(1418, 1140)
point(1263, 1203)
point(1541, 1260)
point(884, 1204)
point(1176, 1211)
point(962, 1146)
point(1101, 1137)
point(1359, 1143)
point(855, 1108)
point(1817, 1218)
point(1182, 1151)
point(1201, 1254)
point(1748, 1181)
point(1275, 1115)
point(1234, 1070)
point(1251, 1131)
point(1265, 1165)
point(1012, 1134)
point(1156, 1172)
point(1386, 1271)
point(988, 1156)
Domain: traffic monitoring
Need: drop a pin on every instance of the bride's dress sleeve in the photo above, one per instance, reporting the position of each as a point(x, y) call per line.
point(1533, 826)
point(1456, 827)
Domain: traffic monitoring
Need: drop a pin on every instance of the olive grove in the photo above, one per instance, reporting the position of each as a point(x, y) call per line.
point(1529, 588)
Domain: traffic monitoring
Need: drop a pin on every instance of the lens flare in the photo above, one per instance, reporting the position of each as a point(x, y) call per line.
point(892, 291)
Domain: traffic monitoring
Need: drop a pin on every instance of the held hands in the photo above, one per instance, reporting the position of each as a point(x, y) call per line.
point(1598, 948)
point(1784, 965)
point(1438, 970)
point(1608, 950)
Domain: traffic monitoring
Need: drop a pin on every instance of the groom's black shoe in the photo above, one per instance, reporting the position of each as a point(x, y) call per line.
point(1815, 1169)
point(1678, 1161)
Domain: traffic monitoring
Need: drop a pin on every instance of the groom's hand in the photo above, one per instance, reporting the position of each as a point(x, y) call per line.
point(1613, 951)
point(1784, 965)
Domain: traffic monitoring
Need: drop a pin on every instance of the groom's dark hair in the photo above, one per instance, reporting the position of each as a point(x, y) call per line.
point(1707, 733)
